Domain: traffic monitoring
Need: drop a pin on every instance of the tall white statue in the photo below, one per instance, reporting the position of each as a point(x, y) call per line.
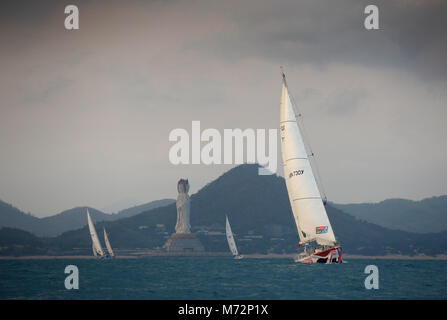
point(183, 225)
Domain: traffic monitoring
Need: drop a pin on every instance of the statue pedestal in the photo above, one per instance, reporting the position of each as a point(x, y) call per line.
point(183, 243)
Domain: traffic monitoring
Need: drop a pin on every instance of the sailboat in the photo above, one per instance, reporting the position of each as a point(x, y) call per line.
point(308, 207)
point(231, 242)
point(108, 246)
point(96, 245)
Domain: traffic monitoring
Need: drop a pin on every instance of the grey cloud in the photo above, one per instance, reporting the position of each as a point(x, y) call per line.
point(321, 32)
point(344, 102)
point(85, 116)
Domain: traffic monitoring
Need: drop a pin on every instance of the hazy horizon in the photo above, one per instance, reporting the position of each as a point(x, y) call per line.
point(85, 114)
point(126, 203)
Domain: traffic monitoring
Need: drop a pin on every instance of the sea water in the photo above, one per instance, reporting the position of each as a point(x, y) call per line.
point(221, 278)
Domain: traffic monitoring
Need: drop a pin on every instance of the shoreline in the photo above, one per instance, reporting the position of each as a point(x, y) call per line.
point(58, 257)
point(248, 256)
point(353, 256)
point(440, 257)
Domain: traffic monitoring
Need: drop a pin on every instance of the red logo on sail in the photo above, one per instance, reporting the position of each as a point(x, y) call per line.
point(321, 229)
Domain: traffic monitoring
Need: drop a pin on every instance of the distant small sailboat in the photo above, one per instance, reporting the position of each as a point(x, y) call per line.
point(108, 246)
point(231, 242)
point(306, 201)
point(96, 245)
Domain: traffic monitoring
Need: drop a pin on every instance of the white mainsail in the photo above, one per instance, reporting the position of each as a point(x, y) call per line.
point(305, 198)
point(230, 239)
point(108, 246)
point(95, 241)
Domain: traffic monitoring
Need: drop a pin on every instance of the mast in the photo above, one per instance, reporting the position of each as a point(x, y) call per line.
point(230, 239)
point(95, 241)
point(108, 246)
point(305, 198)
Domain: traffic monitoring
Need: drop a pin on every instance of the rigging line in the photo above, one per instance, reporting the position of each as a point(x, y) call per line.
point(300, 122)
point(313, 163)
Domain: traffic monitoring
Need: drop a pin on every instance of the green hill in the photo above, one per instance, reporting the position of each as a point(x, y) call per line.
point(427, 215)
point(144, 207)
point(67, 220)
point(14, 218)
point(260, 215)
point(15, 242)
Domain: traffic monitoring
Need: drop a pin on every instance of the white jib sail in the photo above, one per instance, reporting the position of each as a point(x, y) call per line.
point(230, 239)
point(94, 236)
point(305, 198)
point(108, 246)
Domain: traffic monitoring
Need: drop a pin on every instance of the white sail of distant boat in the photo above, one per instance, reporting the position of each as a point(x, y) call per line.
point(95, 241)
point(108, 246)
point(307, 204)
point(231, 242)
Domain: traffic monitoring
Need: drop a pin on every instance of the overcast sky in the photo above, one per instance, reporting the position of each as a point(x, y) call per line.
point(85, 115)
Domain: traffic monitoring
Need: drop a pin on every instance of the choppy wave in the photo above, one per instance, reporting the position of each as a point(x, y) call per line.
point(221, 278)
